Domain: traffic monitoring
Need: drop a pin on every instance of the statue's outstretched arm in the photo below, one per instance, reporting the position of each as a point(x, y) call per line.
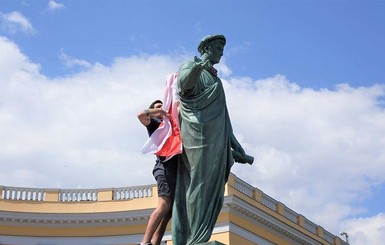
point(189, 73)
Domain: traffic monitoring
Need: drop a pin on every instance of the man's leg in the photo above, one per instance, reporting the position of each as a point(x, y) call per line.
point(159, 214)
point(170, 169)
point(159, 233)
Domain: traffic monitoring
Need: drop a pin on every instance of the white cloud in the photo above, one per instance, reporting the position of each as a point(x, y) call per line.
point(15, 65)
point(69, 126)
point(318, 151)
point(71, 62)
point(55, 6)
point(14, 22)
point(369, 230)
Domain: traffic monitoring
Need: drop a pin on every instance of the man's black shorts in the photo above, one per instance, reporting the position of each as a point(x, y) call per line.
point(165, 176)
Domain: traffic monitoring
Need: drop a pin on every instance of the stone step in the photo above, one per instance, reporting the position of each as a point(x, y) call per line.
point(211, 243)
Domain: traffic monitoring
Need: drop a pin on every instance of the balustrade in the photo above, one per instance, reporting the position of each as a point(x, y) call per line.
point(132, 192)
point(244, 187)
point(269, 202)
point(73, 195)
point(310, 226)
point(329, 237)
point(291, 215)
point(78, 195)
point(23, 194)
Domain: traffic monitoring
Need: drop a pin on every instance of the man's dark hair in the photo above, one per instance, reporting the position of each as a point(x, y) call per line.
point(153, 104)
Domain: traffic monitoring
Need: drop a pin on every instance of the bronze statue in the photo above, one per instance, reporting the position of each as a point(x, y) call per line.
point(209, 146)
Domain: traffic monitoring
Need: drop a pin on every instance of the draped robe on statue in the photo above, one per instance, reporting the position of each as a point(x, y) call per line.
point(206, 159)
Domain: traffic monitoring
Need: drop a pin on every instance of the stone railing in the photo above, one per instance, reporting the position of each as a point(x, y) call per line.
point(132, 192)
point(244, 187)
point(280, 208)
point(291, 215)
point(20, 193)
point(74, 195)
point(78, 195)
point(269, 202)
point(310, 226)
point(329, 237)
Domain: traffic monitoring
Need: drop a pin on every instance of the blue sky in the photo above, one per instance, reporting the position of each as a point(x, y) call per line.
point(314, 43)
point(304, 84)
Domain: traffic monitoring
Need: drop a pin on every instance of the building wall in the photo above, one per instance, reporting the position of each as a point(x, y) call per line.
point(120, 216)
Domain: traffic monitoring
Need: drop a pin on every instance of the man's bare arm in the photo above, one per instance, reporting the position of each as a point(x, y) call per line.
point(144, 116)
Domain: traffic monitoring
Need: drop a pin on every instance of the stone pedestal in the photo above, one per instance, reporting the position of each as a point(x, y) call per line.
point(211, 243)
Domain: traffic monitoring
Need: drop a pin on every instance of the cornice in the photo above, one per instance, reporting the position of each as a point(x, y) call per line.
point(74, 219)
point(258, 217)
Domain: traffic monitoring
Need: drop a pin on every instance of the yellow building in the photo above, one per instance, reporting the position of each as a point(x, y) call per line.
point(119, 216)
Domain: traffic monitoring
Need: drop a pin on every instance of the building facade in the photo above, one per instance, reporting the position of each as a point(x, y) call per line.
point(120, 215)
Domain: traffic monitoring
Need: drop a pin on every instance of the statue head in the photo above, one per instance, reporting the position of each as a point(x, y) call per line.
point(211, 48)
point(208, 39)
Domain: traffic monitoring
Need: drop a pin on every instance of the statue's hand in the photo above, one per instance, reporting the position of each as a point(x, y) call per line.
point(242, 158)
point(202, 64)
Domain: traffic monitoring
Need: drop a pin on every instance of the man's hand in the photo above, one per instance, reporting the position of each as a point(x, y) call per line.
point(163, 113)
